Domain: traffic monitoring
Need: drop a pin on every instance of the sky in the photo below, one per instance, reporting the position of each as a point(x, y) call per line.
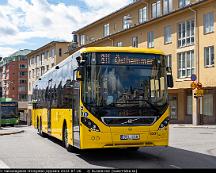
point(30, 24)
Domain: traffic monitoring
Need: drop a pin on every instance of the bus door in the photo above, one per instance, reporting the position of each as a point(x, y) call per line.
point(76, 113)
point(49, 105)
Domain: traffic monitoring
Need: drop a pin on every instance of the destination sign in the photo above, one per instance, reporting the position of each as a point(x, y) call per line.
point(126, 59)
point(8, 104)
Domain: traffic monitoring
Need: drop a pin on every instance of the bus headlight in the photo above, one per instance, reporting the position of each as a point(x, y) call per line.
point(164, 123)
point(90, 124)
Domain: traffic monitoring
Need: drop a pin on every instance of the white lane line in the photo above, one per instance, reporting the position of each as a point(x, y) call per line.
point(175, 166)
point(3, 165)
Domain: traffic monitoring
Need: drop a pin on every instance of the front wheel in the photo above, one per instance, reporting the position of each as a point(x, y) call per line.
point(133, 148)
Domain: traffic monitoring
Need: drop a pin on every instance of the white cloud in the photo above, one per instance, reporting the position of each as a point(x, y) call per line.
point(5, 51)
point(21, 20)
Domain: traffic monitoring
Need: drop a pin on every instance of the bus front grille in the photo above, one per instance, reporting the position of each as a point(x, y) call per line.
point(129, 121)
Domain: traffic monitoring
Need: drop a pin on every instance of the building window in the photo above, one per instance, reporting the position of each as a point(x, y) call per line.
point(33, 73)
point(168, 59)
point(60, 52)
point(32, 60)
point(173, 107)
point(106, 30)
point(22, 88)
point(183, 3)
point(23, 81)
point(134, 41)
point(46, 54)
point(38, 60)
point(47, 67)
point(150, 39)
point(167, 35)
point(52, 53)
point(189, 105)
point(23, 66)
point(209, 56)
point(156, 9)
point(127, 22)
point(119, 44)
point(167, 6)
point(82, 40)
point(29, 86)
point(186, 65)
point(143, 16)
point(23, 97)
point(42, 70)
point(208, 23)
point(23, 73)
point(186, 33)
point(42, 57)
point(29, 74)
point(208, 105)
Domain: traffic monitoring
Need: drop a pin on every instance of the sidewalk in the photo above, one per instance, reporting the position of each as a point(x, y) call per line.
point(10, 130)
point(192, 126)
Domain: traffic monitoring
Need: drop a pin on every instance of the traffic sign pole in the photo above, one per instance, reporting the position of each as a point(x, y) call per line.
point(197, 93)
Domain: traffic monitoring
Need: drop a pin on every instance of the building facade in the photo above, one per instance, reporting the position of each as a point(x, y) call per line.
point(14, 79)
point(40, 61)
point(185, 30)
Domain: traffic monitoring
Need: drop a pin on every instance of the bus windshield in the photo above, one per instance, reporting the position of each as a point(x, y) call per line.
point(125, 85)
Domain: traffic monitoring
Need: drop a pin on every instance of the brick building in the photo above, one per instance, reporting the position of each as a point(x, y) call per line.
point(14, 79)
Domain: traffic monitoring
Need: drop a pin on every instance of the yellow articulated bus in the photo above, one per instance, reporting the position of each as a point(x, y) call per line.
point(105, 97)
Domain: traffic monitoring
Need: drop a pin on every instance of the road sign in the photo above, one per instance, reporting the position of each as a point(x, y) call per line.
point(199, 93)
point(193, 77)
point(199, 85)
point(193, 85)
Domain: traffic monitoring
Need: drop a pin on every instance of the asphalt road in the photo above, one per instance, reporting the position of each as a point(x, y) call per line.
point(189, 148)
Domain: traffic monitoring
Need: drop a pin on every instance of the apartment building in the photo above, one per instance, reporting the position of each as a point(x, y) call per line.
point(14, 79)
point(184, 30)
point(40, 61)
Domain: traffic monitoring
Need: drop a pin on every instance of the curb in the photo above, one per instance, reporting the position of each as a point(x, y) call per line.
point(11, 133)
point(194, 127)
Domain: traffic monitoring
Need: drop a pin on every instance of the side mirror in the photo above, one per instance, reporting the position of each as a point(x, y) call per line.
point(170, 82)
point(80, 73)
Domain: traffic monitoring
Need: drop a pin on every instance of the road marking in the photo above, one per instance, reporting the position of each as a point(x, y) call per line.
point(175, 166)
point(3, 165)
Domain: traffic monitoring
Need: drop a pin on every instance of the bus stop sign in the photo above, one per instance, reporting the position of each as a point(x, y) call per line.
point(193, 77)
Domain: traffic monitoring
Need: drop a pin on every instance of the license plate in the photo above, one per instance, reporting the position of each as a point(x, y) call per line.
point(130, 137)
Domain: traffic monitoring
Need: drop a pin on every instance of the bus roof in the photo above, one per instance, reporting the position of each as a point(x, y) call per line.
point(121, 49)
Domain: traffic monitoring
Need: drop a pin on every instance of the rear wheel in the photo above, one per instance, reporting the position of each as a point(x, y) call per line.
point(65, 139)
point(40, 131)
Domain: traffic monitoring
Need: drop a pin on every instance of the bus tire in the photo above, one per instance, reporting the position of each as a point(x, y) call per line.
point(65, 138)
point(133, 148)
point(40, 131)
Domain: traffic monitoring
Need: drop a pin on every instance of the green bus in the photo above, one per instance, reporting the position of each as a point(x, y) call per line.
point(9, 113)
